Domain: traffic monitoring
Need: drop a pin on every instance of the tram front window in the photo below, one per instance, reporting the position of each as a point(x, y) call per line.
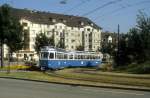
point(44, 55)
point(51, 56)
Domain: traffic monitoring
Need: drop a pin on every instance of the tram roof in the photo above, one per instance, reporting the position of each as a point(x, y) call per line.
point(51, 48)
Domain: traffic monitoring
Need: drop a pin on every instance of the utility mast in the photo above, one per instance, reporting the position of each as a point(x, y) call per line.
point(118, 45)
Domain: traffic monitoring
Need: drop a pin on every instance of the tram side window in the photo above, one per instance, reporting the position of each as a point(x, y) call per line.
point(79, 56)
point(88, 56)
point(51, 56)
point(97, 57)
point(60, 56)
point(85, 57)
point(70, 56)
point(65, 56)
point(82, 56)
point(76, 56)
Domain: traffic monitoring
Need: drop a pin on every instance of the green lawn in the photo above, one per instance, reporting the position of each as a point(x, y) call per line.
point(83, 76)
point(105, 77)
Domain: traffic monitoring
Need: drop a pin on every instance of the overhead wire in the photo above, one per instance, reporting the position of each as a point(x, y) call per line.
point(102, 6)
point(77, 6)
point(122, 8)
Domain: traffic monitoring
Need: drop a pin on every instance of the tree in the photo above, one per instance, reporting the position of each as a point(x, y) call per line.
point(43, 40)
point(15, 38)
point(135, 46)
point(11, 30)
point(108, 48)
point(61, 44)
point(139, 39)
point(121, 55)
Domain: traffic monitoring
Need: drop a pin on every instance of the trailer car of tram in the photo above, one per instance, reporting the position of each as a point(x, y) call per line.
point(52, 58)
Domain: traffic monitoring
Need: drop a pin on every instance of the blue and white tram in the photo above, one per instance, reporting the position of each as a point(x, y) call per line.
point(51, 58)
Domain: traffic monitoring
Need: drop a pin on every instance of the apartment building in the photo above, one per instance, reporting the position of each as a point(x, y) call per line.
point(73, 31)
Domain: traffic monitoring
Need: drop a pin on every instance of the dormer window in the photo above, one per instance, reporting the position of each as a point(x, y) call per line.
point(64, 21)
point(70, 17)
point(81, 23)
point(50, 19)
point(61, 20)
point(53, 20)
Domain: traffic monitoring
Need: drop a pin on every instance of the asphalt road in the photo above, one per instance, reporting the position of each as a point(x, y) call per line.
point(11, 88)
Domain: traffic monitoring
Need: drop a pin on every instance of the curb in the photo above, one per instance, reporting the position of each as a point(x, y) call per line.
point(137, 88)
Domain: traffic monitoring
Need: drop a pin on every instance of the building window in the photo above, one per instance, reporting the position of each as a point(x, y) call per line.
point(53, 30)
point(72, 40)
point(71, 28)
point(57, 33)
point(64, 21)
point(78, 35)
point(88, 29)
point(66, 34)
point(55, 27)
point(72, 47)
point(66, 40)
point(33, 39)
point(60, 27)
point(33, 32)
point(24, 24)
point(109, 41)
point(48, 33)
point(86, 35)
point(61, 20)
point(66, 46)
point(50, 19)
point(81, 23)
point(53, 20)
point(33, 47)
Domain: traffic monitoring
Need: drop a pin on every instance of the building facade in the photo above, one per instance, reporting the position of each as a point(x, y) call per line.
point(73, 31)
point(109, 38)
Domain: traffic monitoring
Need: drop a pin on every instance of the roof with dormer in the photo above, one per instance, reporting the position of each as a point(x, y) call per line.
point(47, 18)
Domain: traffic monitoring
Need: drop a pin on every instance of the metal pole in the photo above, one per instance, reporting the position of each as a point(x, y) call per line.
point(8, 66)
point(118, 45)
point(1, 54)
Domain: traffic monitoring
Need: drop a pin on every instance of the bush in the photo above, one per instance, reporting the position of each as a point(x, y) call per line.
point(33, 66)
point(30, 63)
point(107, 67)
point(139, 68)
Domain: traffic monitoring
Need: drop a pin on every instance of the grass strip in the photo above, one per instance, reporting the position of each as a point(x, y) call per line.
point(102, 78)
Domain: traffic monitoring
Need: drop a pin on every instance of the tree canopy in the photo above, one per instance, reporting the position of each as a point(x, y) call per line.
point(135, 46)
point(11, 30)
point(43, 40)
point(139, 39)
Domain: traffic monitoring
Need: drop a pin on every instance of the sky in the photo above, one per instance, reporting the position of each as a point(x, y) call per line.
point(105, 13)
